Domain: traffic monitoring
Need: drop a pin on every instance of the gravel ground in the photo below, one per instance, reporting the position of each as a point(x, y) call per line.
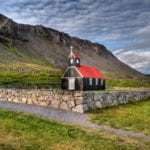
point(68, 117)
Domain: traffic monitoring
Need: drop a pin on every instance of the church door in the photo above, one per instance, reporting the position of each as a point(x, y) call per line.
point(71, 84)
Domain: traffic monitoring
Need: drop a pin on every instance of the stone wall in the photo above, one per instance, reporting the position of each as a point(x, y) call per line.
point(98, 100)
point(78, 101)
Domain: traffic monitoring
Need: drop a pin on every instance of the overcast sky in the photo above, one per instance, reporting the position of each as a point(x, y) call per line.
point(123, 26)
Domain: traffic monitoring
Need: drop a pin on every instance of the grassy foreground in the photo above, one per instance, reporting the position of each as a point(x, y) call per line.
point(134, 116)
point(26, 132)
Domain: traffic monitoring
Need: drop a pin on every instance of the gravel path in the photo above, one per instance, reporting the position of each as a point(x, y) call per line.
point(68, 117)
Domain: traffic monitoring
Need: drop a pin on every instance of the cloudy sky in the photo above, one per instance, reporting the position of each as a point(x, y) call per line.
point(123, 26)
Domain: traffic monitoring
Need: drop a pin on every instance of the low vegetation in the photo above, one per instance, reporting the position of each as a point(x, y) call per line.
point(29, 75)
point(22, 131)
point(135, 82)
point(126, 81)
point(134, 116)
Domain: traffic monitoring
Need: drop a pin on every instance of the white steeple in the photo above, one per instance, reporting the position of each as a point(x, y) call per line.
point(74, 59)
point(71, 48)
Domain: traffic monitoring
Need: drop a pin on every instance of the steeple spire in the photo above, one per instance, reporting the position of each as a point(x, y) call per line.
point(74, 59)
point(71, 48)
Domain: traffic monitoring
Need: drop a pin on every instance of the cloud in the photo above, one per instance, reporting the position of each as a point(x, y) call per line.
point(123, 24)
point(139, 60)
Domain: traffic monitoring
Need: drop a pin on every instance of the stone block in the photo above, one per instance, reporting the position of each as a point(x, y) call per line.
point(29, 101)
point(97, 96)
point(15, 100)
point(78, 94)
point(55, 103)
point(80, 108)
point(10, 99)
point(24, 100)
point(57, 96)
point(98, 104)
point(71, 104)
point(91, 105)
point(78, 100)
point(63, 105)
point(65, 97)
point(43, 103)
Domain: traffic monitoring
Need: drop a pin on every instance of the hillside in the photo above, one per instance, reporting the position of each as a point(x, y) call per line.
point(27, 44)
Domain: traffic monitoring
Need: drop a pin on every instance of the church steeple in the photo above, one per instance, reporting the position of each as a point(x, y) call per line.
point(74, 58)
point(71, 49)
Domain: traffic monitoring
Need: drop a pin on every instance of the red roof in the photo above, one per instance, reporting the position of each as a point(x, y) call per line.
point(76, 55)
point(89, 72)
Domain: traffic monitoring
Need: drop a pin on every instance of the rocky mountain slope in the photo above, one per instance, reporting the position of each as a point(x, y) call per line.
point(46, 46)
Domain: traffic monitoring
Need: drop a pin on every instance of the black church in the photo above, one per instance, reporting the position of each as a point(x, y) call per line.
point(81, 77)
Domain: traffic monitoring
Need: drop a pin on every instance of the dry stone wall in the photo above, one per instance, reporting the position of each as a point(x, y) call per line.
point(78, 101)
point(97, 100)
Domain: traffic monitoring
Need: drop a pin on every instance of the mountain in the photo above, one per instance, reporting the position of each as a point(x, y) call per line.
point(21, 43)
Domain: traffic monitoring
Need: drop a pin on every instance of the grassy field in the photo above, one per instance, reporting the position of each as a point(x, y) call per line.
point(126, 81)
point(135, 82)
point(29, 75)
point(26, 132)
point(134, 116)
point(43, 75)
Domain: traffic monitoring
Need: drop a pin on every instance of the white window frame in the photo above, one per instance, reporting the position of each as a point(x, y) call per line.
point(96, 81)
point(90, 81)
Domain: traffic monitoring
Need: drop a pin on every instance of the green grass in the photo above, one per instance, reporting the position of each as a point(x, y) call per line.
point(135, 82)
point(124, 80)
point(39, 80)
point(26, 132)
point(23, 74)
point(134, 116)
